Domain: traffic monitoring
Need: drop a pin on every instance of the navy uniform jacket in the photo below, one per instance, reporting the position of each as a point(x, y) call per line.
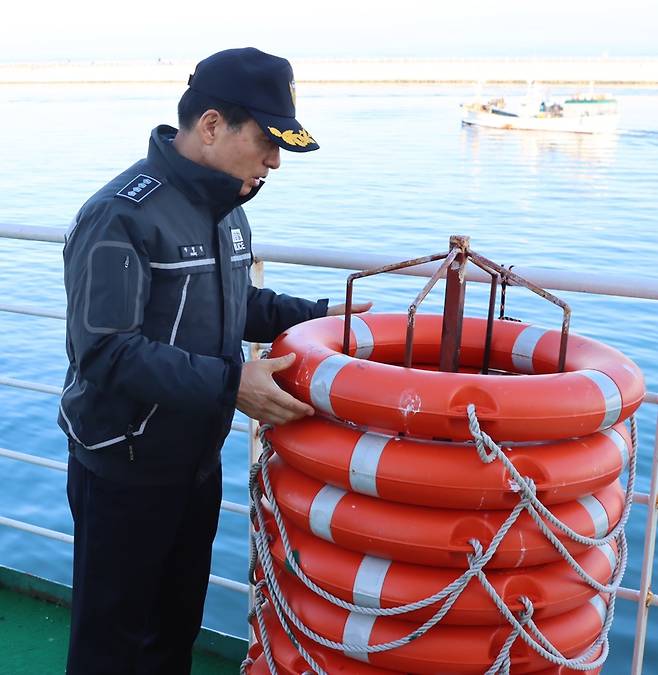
point(156, 269)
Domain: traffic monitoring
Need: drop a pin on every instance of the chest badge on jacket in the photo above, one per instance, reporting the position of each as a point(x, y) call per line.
point(238, 241)
point(192, 251)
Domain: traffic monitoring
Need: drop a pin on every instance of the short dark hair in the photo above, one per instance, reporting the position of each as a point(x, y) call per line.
point(193, 104)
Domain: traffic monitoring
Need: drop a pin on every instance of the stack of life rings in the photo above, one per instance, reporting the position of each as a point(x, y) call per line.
point(433, 522)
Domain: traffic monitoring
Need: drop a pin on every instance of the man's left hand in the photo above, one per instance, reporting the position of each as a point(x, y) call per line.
point(357, 308)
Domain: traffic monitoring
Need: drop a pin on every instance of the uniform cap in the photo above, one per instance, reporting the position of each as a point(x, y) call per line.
point(261, 83)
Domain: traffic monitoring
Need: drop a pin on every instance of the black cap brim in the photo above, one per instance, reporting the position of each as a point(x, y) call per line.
point(286, 132)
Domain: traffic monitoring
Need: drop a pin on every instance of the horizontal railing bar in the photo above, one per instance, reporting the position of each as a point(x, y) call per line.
point(628, 594)
point(234, 507)
point(638, 497)
point(584, 282)
point(649, 397)
point(50, 389)
point(32, 311)
point(226, 505)
point(67, 538)
point(33, 459)
point(32, 386)
point(35, 529)
point(33, 233)
point(625, 593)
point(634, 596)
point(228, 583)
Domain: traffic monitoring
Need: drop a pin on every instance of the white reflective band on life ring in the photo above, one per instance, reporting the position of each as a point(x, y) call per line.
point(365, 341)
point(323, 378)
point(364, 463)
point(599, 605)
point(524, 348)
point(369, 580)
point(357, 632)
point(598, 514)
point(610, 555)
point(611, 394)
point(322, 510)
point(620, 442)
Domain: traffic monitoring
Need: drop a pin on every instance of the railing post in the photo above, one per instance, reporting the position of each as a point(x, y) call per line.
point(257, 273)
point(647, 566)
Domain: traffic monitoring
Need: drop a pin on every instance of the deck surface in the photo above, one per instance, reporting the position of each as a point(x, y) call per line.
point(34, 639)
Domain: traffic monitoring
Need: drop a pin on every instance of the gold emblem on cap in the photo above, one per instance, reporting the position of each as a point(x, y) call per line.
point(301, 138)
point(293, 92)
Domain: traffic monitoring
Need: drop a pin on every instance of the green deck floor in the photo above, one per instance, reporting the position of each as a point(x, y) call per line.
point(34, 637)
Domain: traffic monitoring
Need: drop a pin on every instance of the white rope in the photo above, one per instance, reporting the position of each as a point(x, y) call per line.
point(523, 626)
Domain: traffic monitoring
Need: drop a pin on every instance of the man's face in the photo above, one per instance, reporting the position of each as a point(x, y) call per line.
point(247, 154)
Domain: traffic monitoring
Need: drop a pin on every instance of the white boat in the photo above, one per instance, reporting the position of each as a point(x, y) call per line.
point(583, 113)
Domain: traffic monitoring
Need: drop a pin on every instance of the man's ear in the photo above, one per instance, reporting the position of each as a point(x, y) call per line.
point(210, 125)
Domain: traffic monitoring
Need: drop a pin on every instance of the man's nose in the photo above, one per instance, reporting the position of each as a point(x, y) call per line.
point(274, 158)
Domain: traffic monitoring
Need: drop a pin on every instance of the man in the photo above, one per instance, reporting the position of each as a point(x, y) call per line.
point(159, 300)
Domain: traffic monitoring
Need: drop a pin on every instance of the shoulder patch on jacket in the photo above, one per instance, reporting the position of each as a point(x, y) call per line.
point(140, 187)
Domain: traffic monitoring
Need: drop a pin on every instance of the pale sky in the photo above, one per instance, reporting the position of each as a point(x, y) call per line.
point(138, 29)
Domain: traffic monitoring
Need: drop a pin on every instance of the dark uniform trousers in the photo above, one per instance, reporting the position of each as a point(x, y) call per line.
point(146, 551)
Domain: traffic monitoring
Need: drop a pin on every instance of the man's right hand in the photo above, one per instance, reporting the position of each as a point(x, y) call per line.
point(260, 398)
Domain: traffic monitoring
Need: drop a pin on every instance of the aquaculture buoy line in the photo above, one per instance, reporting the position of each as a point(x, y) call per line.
point(392, 534)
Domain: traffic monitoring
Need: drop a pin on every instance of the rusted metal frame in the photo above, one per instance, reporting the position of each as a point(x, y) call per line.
point(509, 276)
point(490, 314)
point(411, 315)
point(371, 272)
point(503, 294)
point(453, 306)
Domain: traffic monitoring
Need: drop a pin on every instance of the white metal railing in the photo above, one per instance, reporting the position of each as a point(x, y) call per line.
point(616, 285)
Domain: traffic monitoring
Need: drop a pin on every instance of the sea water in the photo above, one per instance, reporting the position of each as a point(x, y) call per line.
point(396, 174)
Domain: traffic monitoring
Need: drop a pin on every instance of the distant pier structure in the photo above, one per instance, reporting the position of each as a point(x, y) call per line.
point(602, 70)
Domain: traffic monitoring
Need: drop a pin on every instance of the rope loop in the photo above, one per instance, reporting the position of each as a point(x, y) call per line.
point(475, 558)
point(245, 664)
point(528, 610)
point(262, 430)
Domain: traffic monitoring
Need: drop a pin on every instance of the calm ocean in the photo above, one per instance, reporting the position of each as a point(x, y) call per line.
point(396, 174)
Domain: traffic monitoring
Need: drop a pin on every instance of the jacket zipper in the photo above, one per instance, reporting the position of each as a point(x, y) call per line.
point(131, 447)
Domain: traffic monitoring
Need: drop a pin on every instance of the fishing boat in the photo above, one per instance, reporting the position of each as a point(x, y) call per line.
point(582, 113)
point(35, 610)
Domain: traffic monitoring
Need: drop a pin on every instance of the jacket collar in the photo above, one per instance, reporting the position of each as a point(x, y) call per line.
point(218, 190)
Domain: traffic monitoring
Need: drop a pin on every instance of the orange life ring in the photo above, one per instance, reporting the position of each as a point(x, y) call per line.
point(368, 581)
point(259, 667)
point(290, 662)
point(430, 473)
point(453, 649)
point(431, 536)
point(599, 388)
